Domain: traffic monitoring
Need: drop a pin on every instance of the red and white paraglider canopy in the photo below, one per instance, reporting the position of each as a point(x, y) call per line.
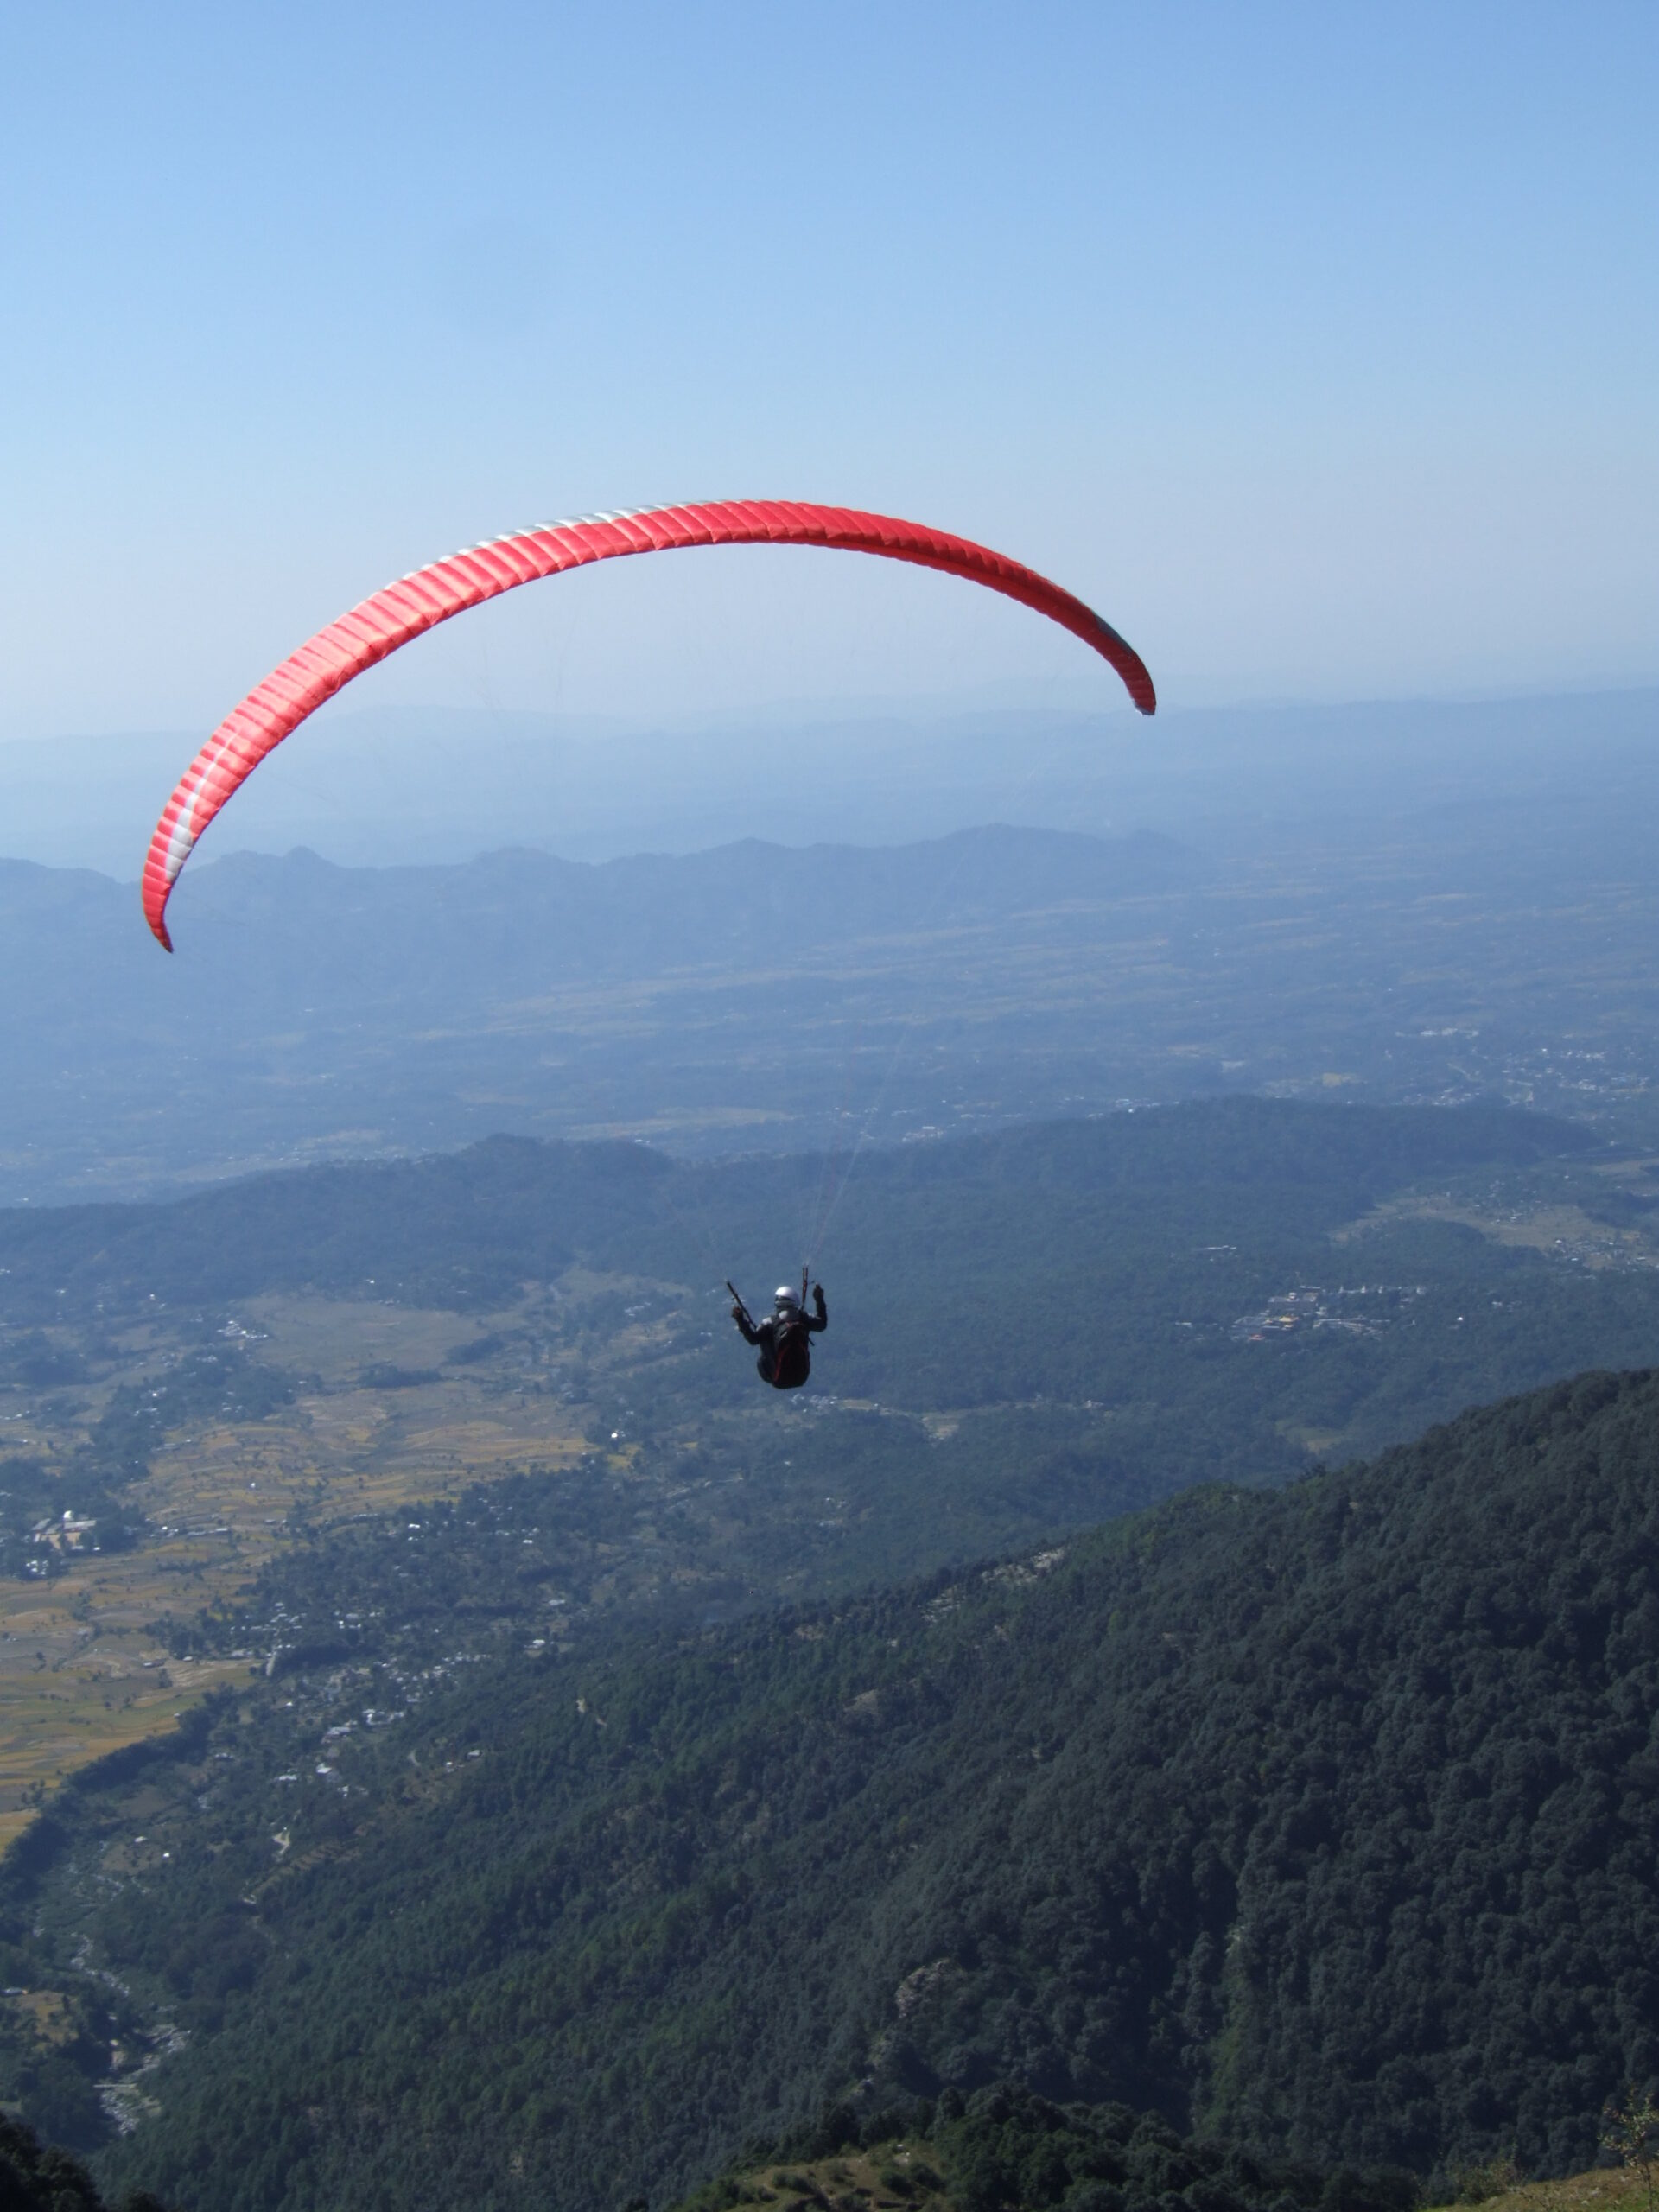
point(418, 602)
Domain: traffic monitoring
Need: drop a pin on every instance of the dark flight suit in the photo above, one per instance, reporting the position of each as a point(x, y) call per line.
point(785, 1358)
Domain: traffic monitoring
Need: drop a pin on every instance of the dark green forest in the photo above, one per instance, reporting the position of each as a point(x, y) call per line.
point(1322, 1820)
point(936, 1221)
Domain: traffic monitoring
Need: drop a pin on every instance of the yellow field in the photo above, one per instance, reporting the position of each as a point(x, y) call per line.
point(1612, 2188)
point(81, 1670)
point(1562, 1230)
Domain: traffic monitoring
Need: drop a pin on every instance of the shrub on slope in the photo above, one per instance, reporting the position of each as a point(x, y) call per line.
point(1007, 2151)
point(36, 2177)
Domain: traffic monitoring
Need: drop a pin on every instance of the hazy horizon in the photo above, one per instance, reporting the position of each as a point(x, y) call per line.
point(392, 786)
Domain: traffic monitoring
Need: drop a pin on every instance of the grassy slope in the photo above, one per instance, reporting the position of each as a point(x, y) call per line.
point(884, 2178)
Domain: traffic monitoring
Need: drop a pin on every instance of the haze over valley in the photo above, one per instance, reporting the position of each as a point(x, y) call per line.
point(1239, 1142)
point(829, 1109)
point(1348, 910)
point(368, 1397)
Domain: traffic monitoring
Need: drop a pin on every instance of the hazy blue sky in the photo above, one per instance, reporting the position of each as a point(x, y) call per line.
point(1316, 344)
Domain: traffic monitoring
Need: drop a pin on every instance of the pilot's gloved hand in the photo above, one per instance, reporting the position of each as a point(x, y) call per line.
point(817, 1296)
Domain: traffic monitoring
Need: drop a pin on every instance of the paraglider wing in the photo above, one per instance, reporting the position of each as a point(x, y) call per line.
point(431, 596)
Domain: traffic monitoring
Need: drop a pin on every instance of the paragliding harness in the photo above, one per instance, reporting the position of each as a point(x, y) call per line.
point(792, 1354)
point(785, 1351)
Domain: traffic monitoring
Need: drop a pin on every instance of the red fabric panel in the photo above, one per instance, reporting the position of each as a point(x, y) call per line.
point(417, 603)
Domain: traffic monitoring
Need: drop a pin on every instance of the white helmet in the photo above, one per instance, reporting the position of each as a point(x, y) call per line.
point(785, 1296)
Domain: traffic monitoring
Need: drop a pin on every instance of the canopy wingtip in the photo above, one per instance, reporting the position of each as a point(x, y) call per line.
point(156, 915)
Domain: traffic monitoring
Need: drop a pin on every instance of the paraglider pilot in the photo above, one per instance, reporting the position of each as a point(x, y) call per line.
point(785, 1358)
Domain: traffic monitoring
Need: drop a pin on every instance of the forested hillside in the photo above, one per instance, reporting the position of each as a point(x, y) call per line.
point(466, 1229)
point(1324, 1819)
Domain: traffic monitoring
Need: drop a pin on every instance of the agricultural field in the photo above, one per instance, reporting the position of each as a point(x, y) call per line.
point(390, 1413)
point(1606, 1215)
point(83, 1669)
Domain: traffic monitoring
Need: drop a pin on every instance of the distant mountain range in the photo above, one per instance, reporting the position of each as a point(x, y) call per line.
point(727, 999)
point(1417, 902)
point(757, 997)
point(391, 786)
